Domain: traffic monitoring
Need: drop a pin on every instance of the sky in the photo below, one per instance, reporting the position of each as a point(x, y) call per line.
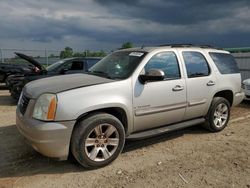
point(106, 24)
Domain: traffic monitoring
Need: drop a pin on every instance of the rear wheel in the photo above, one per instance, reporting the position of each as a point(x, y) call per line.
point(98, 140)
point(218, 115)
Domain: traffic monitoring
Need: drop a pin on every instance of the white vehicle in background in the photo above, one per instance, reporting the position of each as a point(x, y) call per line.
point(246, 87)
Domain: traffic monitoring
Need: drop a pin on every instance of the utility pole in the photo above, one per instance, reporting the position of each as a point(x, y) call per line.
point(1, 52)
point(46, 56)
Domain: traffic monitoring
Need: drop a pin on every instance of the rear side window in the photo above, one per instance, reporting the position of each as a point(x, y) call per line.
point(196, 64)
point(225, 63)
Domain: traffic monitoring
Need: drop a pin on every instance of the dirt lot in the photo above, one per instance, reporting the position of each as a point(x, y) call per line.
point(189, 158)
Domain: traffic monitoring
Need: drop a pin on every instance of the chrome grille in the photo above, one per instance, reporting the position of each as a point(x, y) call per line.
point(24, 101)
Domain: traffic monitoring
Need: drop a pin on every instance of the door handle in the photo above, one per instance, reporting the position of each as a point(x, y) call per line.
point(211, 83)
point(178, 88)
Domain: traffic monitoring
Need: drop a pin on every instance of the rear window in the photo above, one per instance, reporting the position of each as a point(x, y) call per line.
point(225, 63)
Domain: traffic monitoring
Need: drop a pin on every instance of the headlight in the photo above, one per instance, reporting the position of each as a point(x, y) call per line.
point(45, 107)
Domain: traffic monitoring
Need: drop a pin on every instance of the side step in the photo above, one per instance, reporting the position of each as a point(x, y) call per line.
point(162, 130)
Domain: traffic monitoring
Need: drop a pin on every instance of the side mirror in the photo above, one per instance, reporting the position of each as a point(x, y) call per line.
point(152, 75)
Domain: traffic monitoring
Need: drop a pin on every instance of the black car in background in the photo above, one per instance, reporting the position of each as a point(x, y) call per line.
point(7, 69)
point(15, 83)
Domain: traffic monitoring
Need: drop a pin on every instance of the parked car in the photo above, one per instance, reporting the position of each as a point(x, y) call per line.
point(16, 83)
point(7, 69)
point(130, 94)
point(246, 87)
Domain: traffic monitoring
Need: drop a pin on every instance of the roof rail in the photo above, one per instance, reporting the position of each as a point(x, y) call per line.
point(188, 45)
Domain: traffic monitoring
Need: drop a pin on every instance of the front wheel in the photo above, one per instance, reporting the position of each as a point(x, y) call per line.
point(218, 115)
point(97, 140)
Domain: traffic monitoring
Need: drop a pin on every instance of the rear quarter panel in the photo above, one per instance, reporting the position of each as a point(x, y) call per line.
point(226, 81)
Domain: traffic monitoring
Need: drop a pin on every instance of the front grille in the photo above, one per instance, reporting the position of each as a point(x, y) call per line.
point(24, 101)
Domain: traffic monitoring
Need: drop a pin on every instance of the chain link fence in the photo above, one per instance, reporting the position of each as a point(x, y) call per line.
point(45, 57)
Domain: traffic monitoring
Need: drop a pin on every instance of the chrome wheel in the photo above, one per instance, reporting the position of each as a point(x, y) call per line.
point(221, 115)
point(102, 142)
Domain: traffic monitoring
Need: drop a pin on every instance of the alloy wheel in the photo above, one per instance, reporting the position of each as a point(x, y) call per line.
point(221, 115)
point(102, 142)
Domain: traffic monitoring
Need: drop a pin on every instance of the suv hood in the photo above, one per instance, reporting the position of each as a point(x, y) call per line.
point(30, 60)
point(61, 83)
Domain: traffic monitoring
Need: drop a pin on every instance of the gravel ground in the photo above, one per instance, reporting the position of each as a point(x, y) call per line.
point(188, 158)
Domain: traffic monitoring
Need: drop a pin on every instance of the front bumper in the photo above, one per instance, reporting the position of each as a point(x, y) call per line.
point(238, 97)
point(51, 139)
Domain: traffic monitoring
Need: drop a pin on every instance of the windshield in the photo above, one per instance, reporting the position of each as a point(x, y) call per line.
point(118, 65)
point(54, 66)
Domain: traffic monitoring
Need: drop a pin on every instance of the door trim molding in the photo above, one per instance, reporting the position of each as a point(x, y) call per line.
point(159, 109)
point(197, 103)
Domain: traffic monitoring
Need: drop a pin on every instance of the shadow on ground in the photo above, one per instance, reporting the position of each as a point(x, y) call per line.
point(5, 98)
point(3, 87)
point(244, 104)
point(18, 159)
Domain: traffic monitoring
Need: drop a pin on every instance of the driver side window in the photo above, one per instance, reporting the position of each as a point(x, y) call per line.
point(74, 65)
point(167, 62)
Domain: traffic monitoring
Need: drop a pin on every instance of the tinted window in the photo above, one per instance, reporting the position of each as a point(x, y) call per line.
point(196, 64)
point(225, 63)
point(55, 66)
point(92, 62)
point(165, 61)
point(74, 65)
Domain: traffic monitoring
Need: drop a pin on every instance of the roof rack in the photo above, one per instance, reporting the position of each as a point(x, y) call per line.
point(188, 45)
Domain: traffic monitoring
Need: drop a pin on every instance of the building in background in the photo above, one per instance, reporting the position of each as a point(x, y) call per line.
point(242, 57)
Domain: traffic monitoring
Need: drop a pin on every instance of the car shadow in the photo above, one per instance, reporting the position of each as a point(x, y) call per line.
point(244, 104)
point(3, 87)
point(18, 159)
point(5, 98)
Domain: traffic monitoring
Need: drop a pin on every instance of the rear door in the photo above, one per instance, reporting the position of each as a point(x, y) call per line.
point(200, 82)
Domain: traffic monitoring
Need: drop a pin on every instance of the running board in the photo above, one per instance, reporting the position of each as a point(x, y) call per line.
point(162, 130)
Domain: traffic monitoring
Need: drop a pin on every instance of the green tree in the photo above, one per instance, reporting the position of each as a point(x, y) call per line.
point(67, 52)
point(127, 45)
point(52, 56)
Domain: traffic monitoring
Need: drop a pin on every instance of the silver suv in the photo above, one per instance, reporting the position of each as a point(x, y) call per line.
point(131, 94)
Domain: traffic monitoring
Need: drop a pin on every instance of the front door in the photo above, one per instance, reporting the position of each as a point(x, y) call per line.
point(161, 102)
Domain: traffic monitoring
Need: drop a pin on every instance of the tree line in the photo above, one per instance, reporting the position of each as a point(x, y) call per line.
point(69, 52)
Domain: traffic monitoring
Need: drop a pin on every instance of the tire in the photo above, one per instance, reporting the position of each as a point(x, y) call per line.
point(218, 115)
point(100, 150)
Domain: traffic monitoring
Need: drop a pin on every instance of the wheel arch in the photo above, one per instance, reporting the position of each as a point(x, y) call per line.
point(118, 112)
point(227, 94)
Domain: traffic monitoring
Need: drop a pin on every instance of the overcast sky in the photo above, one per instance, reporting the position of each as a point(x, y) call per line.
point(106, 24)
